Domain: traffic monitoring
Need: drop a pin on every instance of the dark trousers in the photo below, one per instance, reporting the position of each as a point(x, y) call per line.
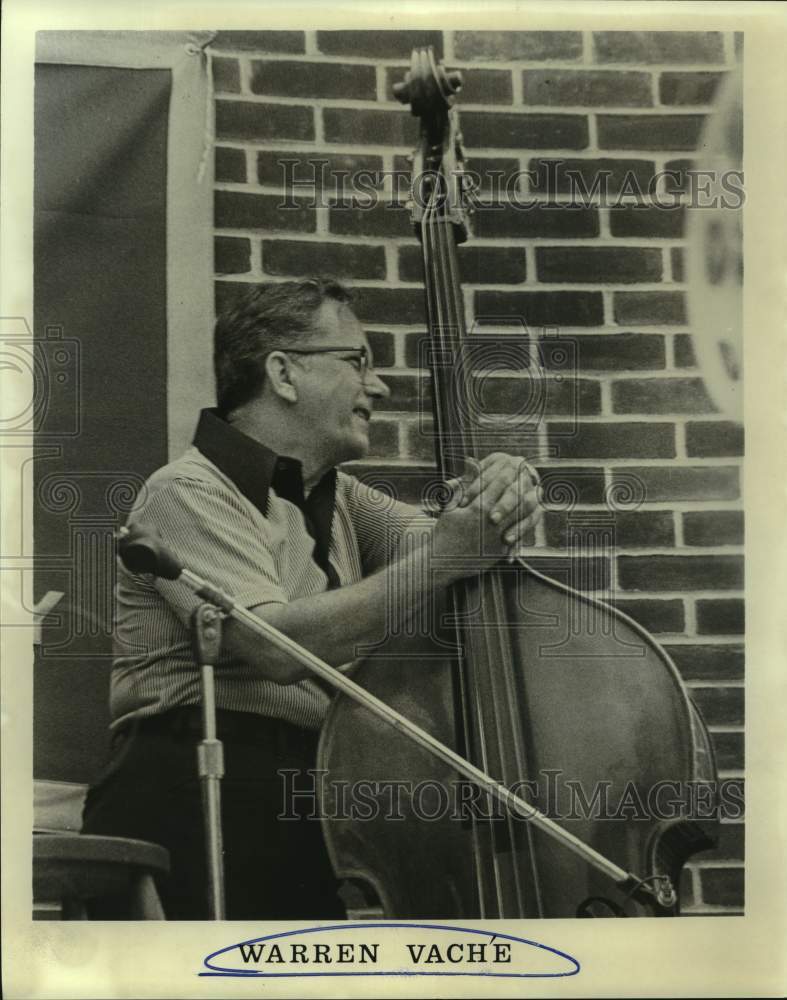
point(275, 869)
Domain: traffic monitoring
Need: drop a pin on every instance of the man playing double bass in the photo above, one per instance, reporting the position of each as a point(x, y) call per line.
point(258, 506)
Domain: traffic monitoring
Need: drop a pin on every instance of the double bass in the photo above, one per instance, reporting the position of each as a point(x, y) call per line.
point(544, 688)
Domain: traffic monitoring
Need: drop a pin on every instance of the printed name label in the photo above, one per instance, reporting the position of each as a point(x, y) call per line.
point(390, 949)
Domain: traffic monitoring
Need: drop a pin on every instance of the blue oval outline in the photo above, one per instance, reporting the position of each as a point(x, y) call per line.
point(256, 974)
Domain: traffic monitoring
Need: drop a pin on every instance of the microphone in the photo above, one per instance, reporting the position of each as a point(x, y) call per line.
point(143, 551)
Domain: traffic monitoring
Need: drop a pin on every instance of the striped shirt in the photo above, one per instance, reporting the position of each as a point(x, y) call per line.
point(235, 513)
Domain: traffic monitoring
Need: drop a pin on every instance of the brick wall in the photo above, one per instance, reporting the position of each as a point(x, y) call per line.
point(607, 279)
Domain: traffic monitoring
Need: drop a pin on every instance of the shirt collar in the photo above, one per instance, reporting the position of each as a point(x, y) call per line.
point(255, 469)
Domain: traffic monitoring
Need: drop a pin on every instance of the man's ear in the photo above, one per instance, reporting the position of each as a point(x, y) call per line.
point(277, 372)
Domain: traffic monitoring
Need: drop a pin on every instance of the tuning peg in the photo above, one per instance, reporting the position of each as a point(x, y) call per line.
point(455, 79)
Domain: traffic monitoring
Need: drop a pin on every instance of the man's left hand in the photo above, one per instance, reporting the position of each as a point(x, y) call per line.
point(508, 486)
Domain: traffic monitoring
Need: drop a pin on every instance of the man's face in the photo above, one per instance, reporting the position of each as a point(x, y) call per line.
point(335, 397)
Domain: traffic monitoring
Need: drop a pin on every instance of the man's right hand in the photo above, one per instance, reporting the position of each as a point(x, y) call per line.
point(492, 507)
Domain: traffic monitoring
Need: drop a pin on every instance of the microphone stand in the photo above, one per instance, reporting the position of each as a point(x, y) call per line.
point(206, 644)
point(142, 551)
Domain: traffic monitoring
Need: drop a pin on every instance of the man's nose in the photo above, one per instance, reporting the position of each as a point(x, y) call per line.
point(375, 386)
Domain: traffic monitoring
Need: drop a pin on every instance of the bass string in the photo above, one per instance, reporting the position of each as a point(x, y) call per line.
point(516, 720)
point(492, 742)
point(500, 667)
point(442, 264)
point(434, 312)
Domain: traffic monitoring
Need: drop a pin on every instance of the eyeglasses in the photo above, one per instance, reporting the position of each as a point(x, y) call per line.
point(359, 356)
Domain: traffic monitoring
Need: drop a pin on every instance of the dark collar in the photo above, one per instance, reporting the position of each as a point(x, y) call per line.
point(249, 464)
point(254, 469)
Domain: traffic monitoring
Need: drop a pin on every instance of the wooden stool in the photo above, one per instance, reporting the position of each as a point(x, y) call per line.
point(72, 869)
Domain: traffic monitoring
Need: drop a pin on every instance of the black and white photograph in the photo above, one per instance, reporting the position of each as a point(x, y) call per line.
point(382, 516)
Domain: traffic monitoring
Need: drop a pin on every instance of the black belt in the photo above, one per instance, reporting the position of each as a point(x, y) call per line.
point(185, 722)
